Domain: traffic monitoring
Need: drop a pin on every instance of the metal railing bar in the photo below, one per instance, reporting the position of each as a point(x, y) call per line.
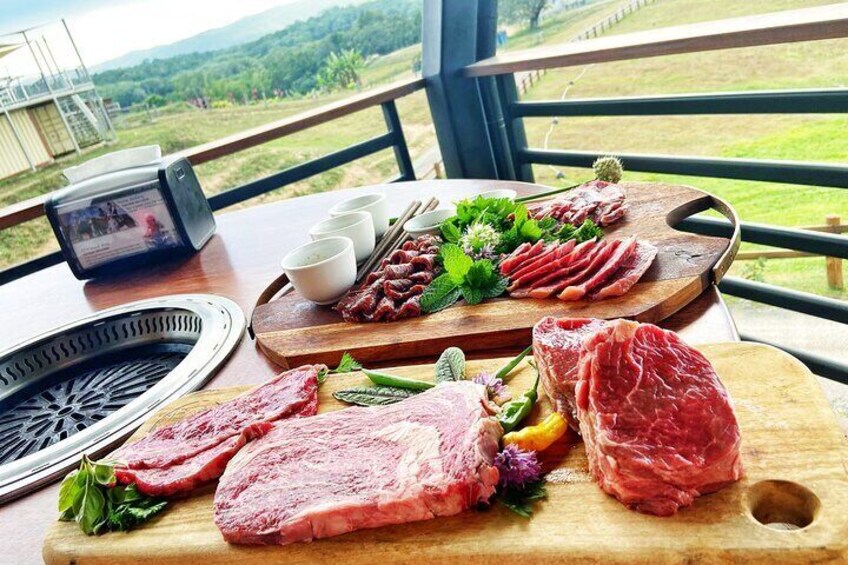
point(30, 267)
point(822, 366)
point(812, 101)
point(404, 161)
point(787, 172)
point(300, 172)
point(827, 244)
point(803, 302)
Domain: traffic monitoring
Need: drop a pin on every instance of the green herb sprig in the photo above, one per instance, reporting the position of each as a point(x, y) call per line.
point(91, 497)
point(463, 277)
point(521, 501)
point(347, 364)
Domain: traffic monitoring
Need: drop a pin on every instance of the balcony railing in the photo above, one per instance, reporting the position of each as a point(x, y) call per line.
point(479, 122)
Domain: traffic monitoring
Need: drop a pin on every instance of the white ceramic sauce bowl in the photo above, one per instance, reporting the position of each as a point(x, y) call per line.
point(500, 193)
point(358, 226)
point(428, 222)
point(322, 270)
point(374, 204)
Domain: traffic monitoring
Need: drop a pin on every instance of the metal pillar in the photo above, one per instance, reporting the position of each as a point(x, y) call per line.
point(454, 36)
point(52, 95)
point(88, 76)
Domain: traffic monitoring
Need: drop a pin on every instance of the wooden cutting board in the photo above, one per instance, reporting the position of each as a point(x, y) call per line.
point(292, 331)
point(795, 458)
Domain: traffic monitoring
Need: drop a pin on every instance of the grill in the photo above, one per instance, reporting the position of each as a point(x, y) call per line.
point(83, 387)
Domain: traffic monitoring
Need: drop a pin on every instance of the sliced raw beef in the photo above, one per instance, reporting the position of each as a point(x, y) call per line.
point(430, 455)
point(629, 273)
point(179, 457)
point(600, 270)
point(658, 424)
point(599, 201)
point(521, 254)
point(556, 349)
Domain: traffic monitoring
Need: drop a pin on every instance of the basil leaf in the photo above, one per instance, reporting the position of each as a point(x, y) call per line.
point(373, 395)
point(451, 365)
point(440, 294)
point(90, 513)
point(103, 474)
point(71, 487)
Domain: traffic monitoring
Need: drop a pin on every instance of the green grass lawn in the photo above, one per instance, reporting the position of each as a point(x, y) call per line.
point(805, 65)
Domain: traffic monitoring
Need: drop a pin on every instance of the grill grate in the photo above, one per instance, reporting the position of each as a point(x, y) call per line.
point(46, 413)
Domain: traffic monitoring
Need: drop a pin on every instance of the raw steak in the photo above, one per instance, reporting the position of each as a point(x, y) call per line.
point(601, 270)
point(430, 455)
point(556, 348)
point(658, 424)
point(179, 457)
point(599, 201)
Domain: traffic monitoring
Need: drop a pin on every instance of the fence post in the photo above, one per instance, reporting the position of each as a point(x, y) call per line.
point(834, 264)
point(455, 34)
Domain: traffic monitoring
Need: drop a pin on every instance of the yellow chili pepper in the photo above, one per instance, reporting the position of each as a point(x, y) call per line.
point(538, 437)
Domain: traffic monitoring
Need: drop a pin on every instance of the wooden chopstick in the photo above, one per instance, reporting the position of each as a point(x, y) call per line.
point(388, 239)
point(429, 206)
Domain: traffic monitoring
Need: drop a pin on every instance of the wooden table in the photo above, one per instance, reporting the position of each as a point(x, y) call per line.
point(239, 261)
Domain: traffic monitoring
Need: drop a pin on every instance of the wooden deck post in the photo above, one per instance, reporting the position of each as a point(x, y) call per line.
point(834, 264)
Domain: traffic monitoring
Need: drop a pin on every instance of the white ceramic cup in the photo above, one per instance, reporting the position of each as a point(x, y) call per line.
point(428, 222)
point(374, 204)
point(322, 270)
point(500, 193)
point(358, 226)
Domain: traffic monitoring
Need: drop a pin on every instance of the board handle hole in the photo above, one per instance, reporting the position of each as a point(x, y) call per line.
point(782, 505)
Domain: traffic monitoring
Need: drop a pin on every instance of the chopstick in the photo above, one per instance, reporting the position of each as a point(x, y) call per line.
point(541, 195)
point(429, 206)
point(388, 239)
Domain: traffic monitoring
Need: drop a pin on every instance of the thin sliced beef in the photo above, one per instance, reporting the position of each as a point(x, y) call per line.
point(176, 458)
point(657, 422)
point(565, 271)
point(629, 273)
point(521, 254)
point(601, 202)
point(600, 270)
point(556, 349)
point(546, 264)
point(430, 455)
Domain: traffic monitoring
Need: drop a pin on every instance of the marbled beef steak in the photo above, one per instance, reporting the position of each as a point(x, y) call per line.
point(176, 458)
point(657, 422)
point(431, 455)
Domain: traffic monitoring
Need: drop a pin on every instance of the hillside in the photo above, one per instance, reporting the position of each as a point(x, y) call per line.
point(285, 61)
point(249, 28)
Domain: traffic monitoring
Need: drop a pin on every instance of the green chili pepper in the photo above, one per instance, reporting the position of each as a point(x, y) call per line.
point(385, 379)
point(515, 411)
point(507, 369)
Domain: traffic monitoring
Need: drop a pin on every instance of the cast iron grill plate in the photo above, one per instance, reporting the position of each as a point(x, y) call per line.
point(83, 387)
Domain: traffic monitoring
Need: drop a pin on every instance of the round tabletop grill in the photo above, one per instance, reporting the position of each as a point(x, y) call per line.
point(84, 386)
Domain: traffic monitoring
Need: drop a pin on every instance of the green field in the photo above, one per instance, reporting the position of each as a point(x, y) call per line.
point(806, 65)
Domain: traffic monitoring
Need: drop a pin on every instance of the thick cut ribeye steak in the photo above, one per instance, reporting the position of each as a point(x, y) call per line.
point(657, 422)
point(430, 455)
point(178, 457)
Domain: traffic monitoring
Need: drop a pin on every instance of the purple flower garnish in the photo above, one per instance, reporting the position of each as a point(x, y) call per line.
point(497, 390)
point(517, 467)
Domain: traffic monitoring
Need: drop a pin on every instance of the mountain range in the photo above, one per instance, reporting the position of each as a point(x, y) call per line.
point(244, 30)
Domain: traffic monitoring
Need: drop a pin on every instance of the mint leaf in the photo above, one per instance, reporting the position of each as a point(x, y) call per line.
point(471, 295)
point(440, 294)
point(450, 232)
point(497, 288)
point(455, 261)
point(348, 364)
point(481, 274)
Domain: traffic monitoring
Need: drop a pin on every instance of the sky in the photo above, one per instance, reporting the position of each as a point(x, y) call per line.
point(105, 29)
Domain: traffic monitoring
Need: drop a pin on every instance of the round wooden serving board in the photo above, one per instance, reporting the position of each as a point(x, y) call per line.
point(793, 452)
point(292, 330)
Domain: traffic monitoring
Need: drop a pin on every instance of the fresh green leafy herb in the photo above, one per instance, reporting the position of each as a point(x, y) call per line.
point(521, 501)
point(90, 497)
point(347, 365)
point(385, 379)
point(586, 231)
point(507, 369)
point(374, 395)
point(451, 365)
point(472, 280)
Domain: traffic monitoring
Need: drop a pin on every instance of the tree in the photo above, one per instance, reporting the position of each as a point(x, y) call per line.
point(519, 11)
point(341, 70)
